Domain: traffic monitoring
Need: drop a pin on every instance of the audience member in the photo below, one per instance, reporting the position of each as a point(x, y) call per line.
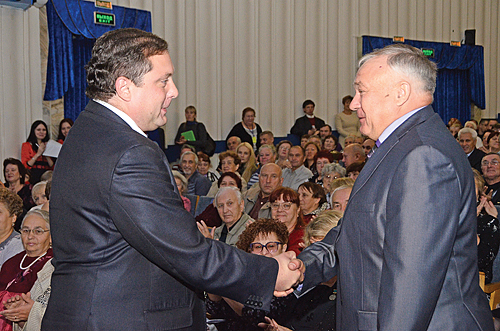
point(32, 151)
point(486, 147)
point(204, 167)
point(232, 143)
point(454, 128)
point(315, 139)
point(353, 170)
point(368, 145)
point(177, 164)
point(359, 139)
point(325, 131)
point(346, 122)
point(267, 154)
point(471, 124)
point(229, 162)
point(307, 124)
point(182, 185)
point(482, 127)
point(298, 173)
point(247, 130)
point(349, 139)
point(14, 173)
point(490, 166)
point(197, 183)
point(285, 207)
point(353, 153)
point(47, 176)
point(311, 150)
point(340, 197)
point(304, 139)
point(494, 142)
point(256, 198)
point(467, 138)
point(11, 208)
point(330, 143)
point(321, 159)
point(283, 150)
point(312, 199)
point(266, 138)
point(329, 173)
point(38, 194)
point(248, 163)
point(194, 133)
point(64, 127)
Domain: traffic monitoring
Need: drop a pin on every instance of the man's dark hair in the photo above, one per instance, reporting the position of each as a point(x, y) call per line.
point(122, 52)
point(307, 103)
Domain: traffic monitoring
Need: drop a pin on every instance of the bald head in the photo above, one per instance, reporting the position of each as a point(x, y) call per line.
point(353, 153)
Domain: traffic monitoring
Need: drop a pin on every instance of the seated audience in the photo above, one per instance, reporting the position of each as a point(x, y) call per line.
point(346, 122)
point(304, 139)
point(329, 173)
point(307, 124)
point(248, 163)
point(321, 159)
point(19, 273)
point(340, 197)
point(368, 145)
point(353, 153)
point(11, 208)
point(486, 147)
point(257, 198)
point(15, 180)
point(229, 162)
point(247, 130)
point(267, 154)
point(490, 166)
point(32, 151)
point(493, 142)
point(298, 173)
point(353, 170)
point(232, 143)
point(194, 133)
point(177, 164)
point(285, 207)
point(467, 138)
point(204, 167)
point(210, 216)
point(182, 184)
point(325, 131)
point(197, 183)
point(38, 194)
point(266, 138)
point(311, 150)
point(330, 143)
point(283, 149)
point(64, 127)
point(312, 199)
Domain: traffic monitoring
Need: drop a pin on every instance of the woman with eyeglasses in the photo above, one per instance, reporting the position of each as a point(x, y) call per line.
point(19, 273)
point(263, 237)
point(285, 207)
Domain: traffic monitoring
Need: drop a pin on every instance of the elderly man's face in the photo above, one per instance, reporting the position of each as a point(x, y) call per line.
point(232, 143)
point(296, 157)
point(340, 199)
point(374, 101)
point(229, 208)
point(349, 156)
point(188, 164)
point(270, 178)
point(266, 139)
point(467, 142)
point(490, 166)
point(368, 145)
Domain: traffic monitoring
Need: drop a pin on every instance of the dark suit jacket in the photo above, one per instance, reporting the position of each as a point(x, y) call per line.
point(127, 255)
point(475, 159)
point(302, 125)
point(407, 255)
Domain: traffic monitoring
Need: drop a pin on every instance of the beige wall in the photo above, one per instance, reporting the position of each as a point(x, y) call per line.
point(267, 54)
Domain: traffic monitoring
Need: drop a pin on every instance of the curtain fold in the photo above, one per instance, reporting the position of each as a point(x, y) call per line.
point(460, 79)
point(72, 34)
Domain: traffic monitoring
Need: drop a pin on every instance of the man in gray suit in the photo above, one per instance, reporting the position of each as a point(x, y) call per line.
point(406, 247)
point(127, 255)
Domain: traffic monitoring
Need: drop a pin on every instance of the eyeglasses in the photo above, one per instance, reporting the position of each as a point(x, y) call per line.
point(331, 177)
point(36, 231)
point(272, 247)
point(284, 206)
point(485, 163)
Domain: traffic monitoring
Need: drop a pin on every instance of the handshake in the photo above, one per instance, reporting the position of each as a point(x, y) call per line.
point(290, 274)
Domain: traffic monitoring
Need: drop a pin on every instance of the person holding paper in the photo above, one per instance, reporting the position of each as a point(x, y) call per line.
point(32, 151)
point(193, 133)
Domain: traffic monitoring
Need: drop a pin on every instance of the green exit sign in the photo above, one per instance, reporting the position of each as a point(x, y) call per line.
point(104, 19)
point(429, 52)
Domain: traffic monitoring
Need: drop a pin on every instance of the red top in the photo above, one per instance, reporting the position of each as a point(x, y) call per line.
point(27, 154)
point(294, 239)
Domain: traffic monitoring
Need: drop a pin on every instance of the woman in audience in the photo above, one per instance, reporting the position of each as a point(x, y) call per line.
point(15, 175)
point(312, 199)
point(310, 152)
point(285, 207)
point(321, 159)
point(11, 207)
point(267, 154)
point(493, 142)
point(346, 122)
point(248, 162)
point(64, 127)
point(19, 273)
point(247, 130)
point(263, 237)
point(38, 194)
point(485, 147)
point(193, 132)
point(32, 151)
point(331, 144)
point(283, 149)
point(353, 170)
point(330, 172)
point(204, 165)
point(182, 184)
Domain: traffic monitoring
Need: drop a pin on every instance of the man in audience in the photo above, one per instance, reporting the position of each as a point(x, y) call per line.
point(304, 140)
point(340, 197)
point(127, 255)
point(229, 162)
point(482, 127)
point(467, 138)
point(368, 145)
point(490, 167)
point(317, 140)
point(197, 183)
point(491, 124)
point(298, 174)
point(232, 143)
point(353, 153)
point(256, 198)
point(406, 256)
point(350, 139)
point(266, 138)
point(177, 164)
point(325, 131)
point(353, 170)
point(307, 124)
point(230, 205)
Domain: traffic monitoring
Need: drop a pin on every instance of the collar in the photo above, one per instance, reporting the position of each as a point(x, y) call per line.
point(396, 124)
point(309, 116)
point(123, 116)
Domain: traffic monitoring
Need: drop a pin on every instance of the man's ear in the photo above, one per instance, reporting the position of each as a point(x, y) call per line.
point(123, 88)
point(403, 92)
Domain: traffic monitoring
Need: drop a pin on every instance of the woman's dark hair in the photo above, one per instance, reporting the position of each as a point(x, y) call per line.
point(325, 155)
point(203, 157)
point(355, 166)
point(234, 176)
point(60, 136)
point(32, 137)
point(307, 103)
point(231, 154)
point(317, 191)
point(20, 168)
point(333, 137)
point(347, 97)
point(263, 226)
point(492, 134)
point(282, 143)
point(289, 195)
point(246, 110)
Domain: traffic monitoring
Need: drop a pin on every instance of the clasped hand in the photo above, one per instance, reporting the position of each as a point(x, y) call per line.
point(290, 274)
point(17, 308)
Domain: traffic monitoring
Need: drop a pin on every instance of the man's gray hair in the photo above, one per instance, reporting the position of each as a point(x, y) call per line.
point(467, 130)
point(409, 61)
point(188, 153)
point(340, 188)
point(330, 168)
point(228, 188)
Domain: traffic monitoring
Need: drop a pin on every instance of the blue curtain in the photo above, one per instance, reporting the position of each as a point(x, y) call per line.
point(460, 79)
point(72, 34)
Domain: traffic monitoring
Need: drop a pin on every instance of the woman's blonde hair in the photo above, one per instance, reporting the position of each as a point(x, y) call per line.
point(321, 225)
point(251, 165)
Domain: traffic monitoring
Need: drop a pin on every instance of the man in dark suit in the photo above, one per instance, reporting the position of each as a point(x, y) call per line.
point(127, 255)
point(467, 138)
point(307, 124)
point(406, 247)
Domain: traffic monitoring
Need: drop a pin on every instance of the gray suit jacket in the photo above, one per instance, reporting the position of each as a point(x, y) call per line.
point(127, 255)
point(406, 247)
